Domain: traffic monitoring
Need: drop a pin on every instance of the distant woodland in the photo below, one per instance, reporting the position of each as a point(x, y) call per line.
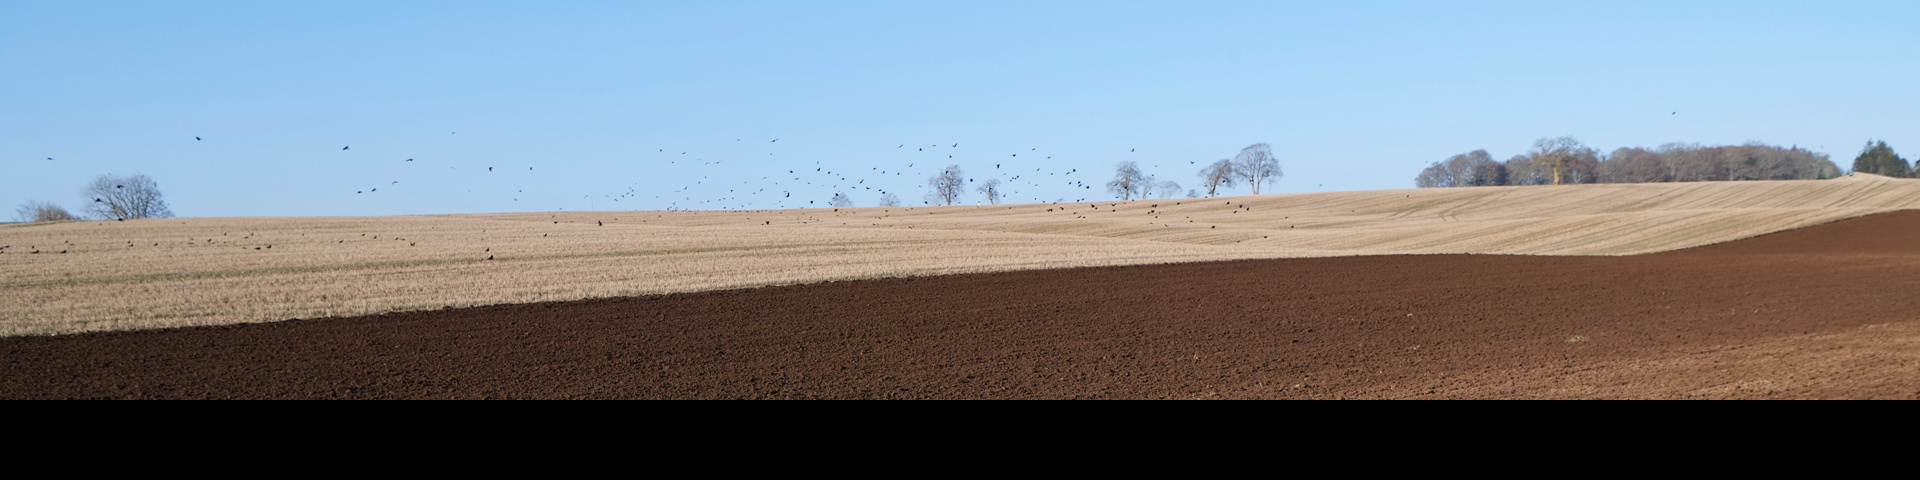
point(1569, 161)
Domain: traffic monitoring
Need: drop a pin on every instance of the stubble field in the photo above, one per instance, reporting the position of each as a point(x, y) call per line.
point(104, 276)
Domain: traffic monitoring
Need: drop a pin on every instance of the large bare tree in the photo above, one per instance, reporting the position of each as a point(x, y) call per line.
point(1257, 166)
point(841, 200)
point(947, 186)
point(1217, 176)
point(1127, 180)
point(113, 197)
point(889, 200)
point(991, 188)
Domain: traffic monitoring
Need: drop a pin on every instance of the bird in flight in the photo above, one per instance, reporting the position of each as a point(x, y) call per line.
point(196, 139)
point(346, 147)
point(409, 159)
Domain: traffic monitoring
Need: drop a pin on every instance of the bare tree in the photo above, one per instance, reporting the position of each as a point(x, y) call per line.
point(1217, 176)
point(841, 200)
point(39, 211)
point(1526, 170)
point(1557, 154)
point(947, 186)
point(112, 197)
point(1434, 176)
point(1256, 165)
point(991, 188)
point(889, 200)
point(1127, 180)
point(1167, 188)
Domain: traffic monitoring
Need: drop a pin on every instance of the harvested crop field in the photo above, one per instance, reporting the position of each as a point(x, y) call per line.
point(76, 277)
point(1820, 312)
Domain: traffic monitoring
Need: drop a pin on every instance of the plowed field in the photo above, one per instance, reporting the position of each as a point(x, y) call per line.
point(1822, 312)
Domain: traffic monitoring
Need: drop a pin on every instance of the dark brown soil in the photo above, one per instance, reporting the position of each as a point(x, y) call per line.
point(1822, 312)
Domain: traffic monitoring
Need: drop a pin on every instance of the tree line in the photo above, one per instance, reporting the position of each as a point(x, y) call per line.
point(109, 197)
point(1554, 161)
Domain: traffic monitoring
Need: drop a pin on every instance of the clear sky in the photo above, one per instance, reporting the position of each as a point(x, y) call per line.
point(575, 105)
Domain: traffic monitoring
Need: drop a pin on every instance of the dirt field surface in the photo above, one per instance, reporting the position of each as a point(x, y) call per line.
point(1820, 312)
point(97, 276)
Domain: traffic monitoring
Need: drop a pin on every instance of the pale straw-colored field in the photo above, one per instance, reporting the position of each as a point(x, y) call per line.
point(90, 276)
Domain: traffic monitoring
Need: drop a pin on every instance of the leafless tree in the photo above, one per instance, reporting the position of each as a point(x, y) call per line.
point(1635, 165)
point(991, 188)
point(113, 197)
point(889, 200)
point(1557, 154)
point(1166, 188)
point(39, 211)
point(1217, 176)
point(947, 186)
point(1526, 170)
point(1257, 166)
point(841, 200)
point(1127, 180)
point(1471, 169)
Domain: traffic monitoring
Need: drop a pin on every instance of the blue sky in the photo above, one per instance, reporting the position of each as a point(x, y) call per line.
point(576, 105)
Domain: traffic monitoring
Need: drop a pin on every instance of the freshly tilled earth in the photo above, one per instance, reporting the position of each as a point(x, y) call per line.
point(1821, 312)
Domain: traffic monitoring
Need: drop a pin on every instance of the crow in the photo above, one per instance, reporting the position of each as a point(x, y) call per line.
point(196, 139)
point(346, 147)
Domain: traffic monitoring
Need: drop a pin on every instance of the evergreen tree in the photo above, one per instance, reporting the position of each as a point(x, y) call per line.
point(1877, 158)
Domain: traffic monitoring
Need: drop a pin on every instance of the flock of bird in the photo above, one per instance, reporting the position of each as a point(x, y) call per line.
point(720, 184)
point(774, 185)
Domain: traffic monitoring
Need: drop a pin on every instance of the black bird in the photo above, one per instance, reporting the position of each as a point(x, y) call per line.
point(346, 147)
point(196, 139)
point(956, 145)
point(1130, 149)
point(489, 169)
point(774, 140)
point(409, 159)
